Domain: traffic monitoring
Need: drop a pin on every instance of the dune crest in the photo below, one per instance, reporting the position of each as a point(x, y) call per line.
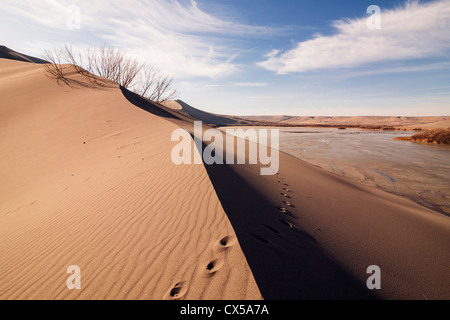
point(87, 180)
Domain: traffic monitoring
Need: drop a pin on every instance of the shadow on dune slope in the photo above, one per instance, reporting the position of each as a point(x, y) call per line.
point(287, 262)
point(153, 107)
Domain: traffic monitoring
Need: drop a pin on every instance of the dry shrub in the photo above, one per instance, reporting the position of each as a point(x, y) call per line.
point(154, 85)
point(54, 65)
point(146, 80)
point(434, 135)
point(112, 64)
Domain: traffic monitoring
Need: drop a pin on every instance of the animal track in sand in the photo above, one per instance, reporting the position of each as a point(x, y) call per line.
point(298, 230)
point(272, 245)
point(272, 229)
point(214, 266)
point(288, 204)
point(177, 292)
point(287, 223)
point(285, 195)
point(287, 212)
point(224, 244)
point(260, 239)
point(290, 214)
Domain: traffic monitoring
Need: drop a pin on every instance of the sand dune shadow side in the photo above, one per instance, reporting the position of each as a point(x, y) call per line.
point(294, 267)
point(286, 263)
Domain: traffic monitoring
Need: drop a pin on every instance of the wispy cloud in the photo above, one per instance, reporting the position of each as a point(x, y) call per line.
point(250, 84)
point(263, 97)
point(177, 36)
point(400, 69)
point(412, 31)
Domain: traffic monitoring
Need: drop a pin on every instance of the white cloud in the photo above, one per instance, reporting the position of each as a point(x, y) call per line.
point(177, 36)
point(272, 53)
point(250, 84)
point(413, 31)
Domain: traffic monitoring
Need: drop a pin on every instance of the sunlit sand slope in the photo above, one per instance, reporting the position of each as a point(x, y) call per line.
point(87, 180)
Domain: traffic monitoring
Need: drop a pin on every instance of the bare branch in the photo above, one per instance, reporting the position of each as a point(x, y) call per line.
point(106, 62)
point(154, 85)
point(54, 65)
point(111, 64)
point(68, 55)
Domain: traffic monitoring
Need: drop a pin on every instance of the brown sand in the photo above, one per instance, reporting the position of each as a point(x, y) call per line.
point(87, 180)
point(138, 225)
point(310, 234)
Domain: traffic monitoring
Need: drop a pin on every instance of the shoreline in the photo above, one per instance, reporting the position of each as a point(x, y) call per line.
point(342, 227)
point(103, 193)
point(436, 136)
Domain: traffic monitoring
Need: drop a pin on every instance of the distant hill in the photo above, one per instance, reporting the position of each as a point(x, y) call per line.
point(366, 122)
point(207, 117)
point(7, 53)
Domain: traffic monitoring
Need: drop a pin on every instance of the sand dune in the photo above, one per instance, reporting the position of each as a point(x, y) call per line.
point(207, 117)
point(87, 180)
point(310, 234)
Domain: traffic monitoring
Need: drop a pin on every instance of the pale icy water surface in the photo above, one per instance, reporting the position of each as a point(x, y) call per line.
point(416, 170)
point(419, 171)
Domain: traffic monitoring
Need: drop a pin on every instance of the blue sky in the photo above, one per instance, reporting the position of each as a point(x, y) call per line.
point(296, 57)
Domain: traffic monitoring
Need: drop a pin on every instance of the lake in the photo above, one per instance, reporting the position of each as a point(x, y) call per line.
point(419, 171)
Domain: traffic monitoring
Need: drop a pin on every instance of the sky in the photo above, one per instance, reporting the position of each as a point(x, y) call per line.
point(263, 57)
